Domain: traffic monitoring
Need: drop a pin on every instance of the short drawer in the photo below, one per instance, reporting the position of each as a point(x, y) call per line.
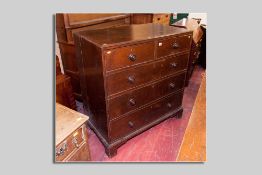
point(173, 45)
point(130, 78)
point(174, 64)
point(136, 120)
point(70, 144)
point(129, 55)
point(136, 98)
point(170, 84)
point(82, 154)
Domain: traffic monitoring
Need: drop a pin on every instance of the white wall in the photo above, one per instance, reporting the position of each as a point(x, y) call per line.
point(203, 17)
point(57, 52)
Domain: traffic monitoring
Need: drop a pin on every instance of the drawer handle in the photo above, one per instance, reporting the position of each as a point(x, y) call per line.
point(131, 79)
point(175, 45)
point(173, 64)
point(132, 102)
point(75, 142)
point(132, 57)
point(131, 124)
point(61, 150)
point(172, 85)
point(169, 105)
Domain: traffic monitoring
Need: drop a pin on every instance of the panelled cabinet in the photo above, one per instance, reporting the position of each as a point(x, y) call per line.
point(67, 24)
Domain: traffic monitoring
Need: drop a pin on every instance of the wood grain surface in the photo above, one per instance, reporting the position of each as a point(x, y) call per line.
point(193, 147)
point(67, 121)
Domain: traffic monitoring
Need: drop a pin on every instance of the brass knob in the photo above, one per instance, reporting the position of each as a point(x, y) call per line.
point(172, 85)
point(131, 79)
point(132, 102)
point(75, 142)
point(169, 105)
point(132, 57)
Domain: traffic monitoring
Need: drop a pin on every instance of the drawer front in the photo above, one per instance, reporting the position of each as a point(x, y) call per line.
point(173, 45)
point(82, 154)
point(139, 97)
point(170, 84)
point(131, 78)
point(138, 119)
point(129, 55)
point(69, 145)
point(136, 76)
point(174, 64)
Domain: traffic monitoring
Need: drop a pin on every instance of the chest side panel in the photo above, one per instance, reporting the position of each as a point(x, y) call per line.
point(89, 58)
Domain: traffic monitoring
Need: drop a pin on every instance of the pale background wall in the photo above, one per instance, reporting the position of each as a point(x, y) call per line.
point(57, 52)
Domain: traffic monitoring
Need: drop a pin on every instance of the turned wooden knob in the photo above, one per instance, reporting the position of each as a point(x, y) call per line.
point(169, 105)
point(175, 45)
point(132, 102)
point(131, 79)
point(131, 124)
point(172, 85)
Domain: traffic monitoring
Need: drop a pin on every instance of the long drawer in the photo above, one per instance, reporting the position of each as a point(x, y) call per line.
point(136, 98)
point(130, 78)
point(134, 121)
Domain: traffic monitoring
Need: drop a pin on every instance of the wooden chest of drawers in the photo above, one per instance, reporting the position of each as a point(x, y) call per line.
point(71, 136)
point(134, 77)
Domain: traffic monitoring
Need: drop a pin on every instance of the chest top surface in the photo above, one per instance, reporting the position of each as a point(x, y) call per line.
point(125, 34)
point(67, 121)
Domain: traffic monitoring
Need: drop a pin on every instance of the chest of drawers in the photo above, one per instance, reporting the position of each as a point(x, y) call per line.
point(132, 78)
point(70, 136)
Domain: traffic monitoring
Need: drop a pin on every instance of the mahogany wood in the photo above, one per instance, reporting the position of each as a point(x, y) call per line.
point(173, 45)
point(163, 18)
point(64, 92)
point(141, 18)
point(67, 24)
point(58, 69)
point(136, 98)
point(192, 24)
point(129, 55)
point(128, 94)
point(131, 122)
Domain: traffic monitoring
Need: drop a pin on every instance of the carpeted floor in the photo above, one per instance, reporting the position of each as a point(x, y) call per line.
point(160, 143)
